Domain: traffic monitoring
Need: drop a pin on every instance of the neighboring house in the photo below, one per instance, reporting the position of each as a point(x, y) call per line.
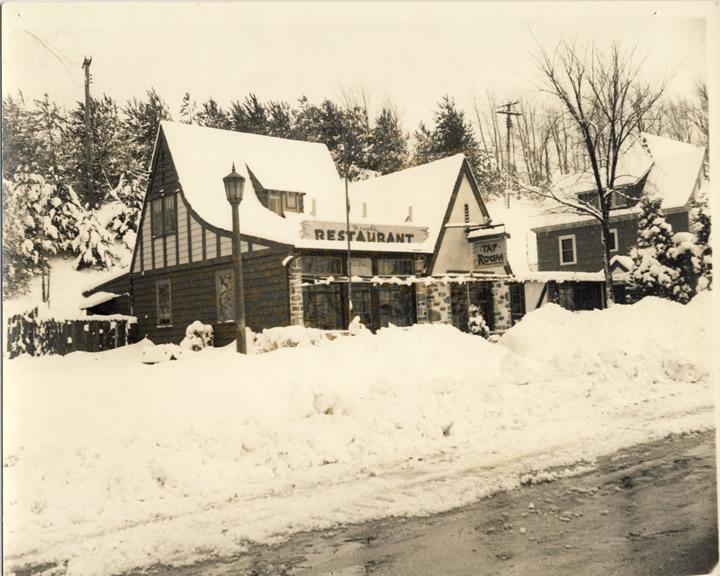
point(653, 164)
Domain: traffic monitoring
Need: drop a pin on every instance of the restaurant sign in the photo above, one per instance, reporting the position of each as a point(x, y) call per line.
point(378, 233)
point(490, 253)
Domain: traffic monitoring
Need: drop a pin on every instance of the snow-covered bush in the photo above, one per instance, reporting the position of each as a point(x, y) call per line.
point(684, 257)
point(93, 245)
point(287, 337)
point(160, 353)
point(197, 336)
point(476, 322)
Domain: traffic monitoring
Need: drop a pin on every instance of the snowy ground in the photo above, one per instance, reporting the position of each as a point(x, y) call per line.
point(112, 464)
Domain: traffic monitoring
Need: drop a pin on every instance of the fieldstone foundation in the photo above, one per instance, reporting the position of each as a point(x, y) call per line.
point(421, 303)
point(296, 293)
point(438, 303)
point(502, 314)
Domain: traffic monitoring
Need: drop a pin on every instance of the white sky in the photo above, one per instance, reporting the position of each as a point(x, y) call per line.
point(411, 53)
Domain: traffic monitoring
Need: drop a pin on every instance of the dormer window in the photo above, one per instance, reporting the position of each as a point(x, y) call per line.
point(282, 202)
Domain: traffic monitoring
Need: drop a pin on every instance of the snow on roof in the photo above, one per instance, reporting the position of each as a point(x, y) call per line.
point(518, 221)
point(203, 156)
point(672, 167)
point(496, 230)
point(98, 298)
point(417, 196)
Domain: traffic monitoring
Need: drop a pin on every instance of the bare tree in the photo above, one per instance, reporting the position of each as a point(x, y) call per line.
point(604, 99)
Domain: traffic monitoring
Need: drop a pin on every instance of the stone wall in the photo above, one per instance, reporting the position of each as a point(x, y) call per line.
point(501, 305)
point(295, 292)
point(438, 302)
point(421, 303)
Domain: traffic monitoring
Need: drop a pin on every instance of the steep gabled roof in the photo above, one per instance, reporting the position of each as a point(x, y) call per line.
point(203, 156)
point(673, 170)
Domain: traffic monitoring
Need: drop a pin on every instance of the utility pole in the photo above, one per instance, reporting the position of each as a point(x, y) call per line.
point(507, 110)
point(347, 229)
point(88, 130)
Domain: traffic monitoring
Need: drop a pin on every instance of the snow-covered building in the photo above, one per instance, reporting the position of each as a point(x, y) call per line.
point(653, 164)
point(422, 243)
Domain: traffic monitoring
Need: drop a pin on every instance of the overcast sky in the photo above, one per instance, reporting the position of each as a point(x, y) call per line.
point(410, 53)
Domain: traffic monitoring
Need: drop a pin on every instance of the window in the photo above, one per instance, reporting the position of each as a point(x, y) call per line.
point(164, 216)
point(323, 307)
point(321, 265)
point(613, 240)
point(361, 266)
point(396, 305)
point(395, 266)
point(568, 254)
point(517, 301)
point(225, 293)
point(164, 303)
point(275, 203)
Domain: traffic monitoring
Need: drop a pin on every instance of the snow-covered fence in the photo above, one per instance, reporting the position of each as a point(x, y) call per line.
point(30, 334)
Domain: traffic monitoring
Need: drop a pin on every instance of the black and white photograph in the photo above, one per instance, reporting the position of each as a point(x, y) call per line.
point(359, 288)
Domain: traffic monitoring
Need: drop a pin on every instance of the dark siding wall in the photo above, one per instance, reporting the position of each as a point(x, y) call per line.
point(194, 297)
point(588, 245)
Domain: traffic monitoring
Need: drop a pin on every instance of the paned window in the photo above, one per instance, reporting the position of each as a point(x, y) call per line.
point(361, 266)
point(225, 292)
point(163, 297)
point(517, 301)
point(395, 266)
point(568, 254)
point(164, 216)
point(321, 265)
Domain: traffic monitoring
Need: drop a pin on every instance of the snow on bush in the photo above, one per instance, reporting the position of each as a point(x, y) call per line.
point(197, 336)
point(93, 245)
point(112, 465)
point(288, 337)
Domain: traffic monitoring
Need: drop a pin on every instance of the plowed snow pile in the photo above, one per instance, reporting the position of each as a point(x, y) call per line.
point(111, 464)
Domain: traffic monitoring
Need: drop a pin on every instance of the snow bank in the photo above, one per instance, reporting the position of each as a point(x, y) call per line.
point(111, 464)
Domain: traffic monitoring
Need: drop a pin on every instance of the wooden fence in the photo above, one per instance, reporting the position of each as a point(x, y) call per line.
point(28, 334)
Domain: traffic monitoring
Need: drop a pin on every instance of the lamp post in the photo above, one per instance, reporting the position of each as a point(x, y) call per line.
point(234, 184)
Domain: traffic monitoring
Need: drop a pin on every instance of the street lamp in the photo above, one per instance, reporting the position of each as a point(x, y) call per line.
point(234, 184)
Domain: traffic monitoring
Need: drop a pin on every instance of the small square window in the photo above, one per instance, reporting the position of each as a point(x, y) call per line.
point(291, 200)
point(568, 253)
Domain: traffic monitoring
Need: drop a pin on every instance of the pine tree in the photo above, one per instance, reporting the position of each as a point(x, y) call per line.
point(387, 146)
point(212, 115)
point(141, 125)
point(18, 135)
point(652, 273)
point(280, 119)
point(700, 226)
point(249, 116)
point(93, 245)
point(188, 110)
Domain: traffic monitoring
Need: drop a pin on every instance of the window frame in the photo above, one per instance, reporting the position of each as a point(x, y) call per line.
point(161, 230)
point(392, 261)
point(158, 284)
point(574, 249)
point(616, 240)
point(294, 205)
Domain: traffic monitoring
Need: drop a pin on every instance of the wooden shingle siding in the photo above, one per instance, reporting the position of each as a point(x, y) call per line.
point(588, 243)
point(194, 297)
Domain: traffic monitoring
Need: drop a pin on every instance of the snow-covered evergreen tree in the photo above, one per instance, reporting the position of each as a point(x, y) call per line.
point(188, 110)
point(140, 125)
point(94, 245)
point(250, 115)
point(124, 221)
point(700, 226)
point(213, 115)
point(655, 270)
point(387, 149)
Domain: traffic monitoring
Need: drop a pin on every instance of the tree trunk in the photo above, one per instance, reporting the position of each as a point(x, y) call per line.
point(605, 233)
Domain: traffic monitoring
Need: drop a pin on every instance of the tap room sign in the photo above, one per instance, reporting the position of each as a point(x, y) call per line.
point(377, 233)
point(490, 253)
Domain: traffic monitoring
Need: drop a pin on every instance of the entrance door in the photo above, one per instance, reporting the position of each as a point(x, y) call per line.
point(396, 305)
